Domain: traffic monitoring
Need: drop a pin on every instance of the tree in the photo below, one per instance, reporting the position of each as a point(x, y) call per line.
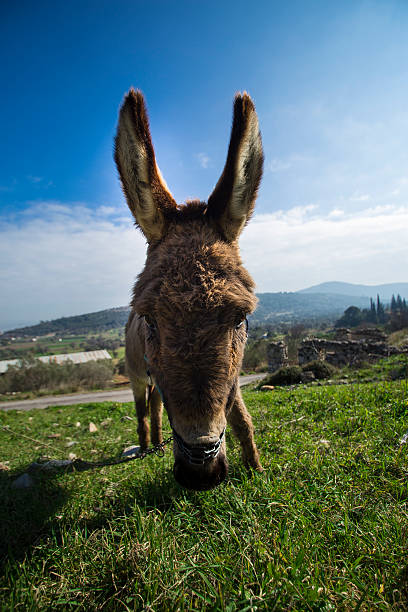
point(372, 313)
point(351, 318)
point(381, 317)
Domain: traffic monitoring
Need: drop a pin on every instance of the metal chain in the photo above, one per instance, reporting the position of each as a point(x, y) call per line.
point(158, 450)
point(80, 465)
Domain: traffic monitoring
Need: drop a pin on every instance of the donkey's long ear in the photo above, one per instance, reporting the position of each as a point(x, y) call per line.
point(233, 199)
point(146, 192)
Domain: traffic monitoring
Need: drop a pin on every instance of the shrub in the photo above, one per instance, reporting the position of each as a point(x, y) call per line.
point(289, 375)
point(320, 369)
point(398, 373)
point(255, 357)
point(121, 366)
point(33, 375)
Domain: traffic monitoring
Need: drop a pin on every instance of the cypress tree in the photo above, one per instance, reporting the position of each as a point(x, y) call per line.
point(399, 302)
point(380, 311)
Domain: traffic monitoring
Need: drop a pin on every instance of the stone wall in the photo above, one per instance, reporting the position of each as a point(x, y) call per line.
point(349, 347)
point(343, 352)
point(360, 333)
point(277, 353)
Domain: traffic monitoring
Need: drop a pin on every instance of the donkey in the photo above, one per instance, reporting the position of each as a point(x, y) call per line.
point(187, 327)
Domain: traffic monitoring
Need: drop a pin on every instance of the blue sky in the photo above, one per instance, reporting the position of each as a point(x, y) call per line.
point(330, 85)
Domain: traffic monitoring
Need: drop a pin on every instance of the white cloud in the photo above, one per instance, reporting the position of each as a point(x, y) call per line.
point(336, 212)
point(37, 180)
point(203, 159)
point(286, 251)
point(360, 197)
point(60, 259)
point(10, 187)
point(278, 165)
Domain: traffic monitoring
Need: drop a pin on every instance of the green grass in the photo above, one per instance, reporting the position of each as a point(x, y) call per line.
point(324, 528)
point(399, 338)
point(389, 368)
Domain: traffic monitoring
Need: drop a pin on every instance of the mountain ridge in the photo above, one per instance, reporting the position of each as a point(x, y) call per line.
point(385, 290)
point(272, 309)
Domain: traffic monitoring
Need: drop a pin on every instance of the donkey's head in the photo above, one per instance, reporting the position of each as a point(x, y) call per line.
point(193, 293)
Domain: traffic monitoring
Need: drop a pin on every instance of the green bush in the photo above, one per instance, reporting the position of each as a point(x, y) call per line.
point(320, 369)
point(399, 372)
point(289, 375)
point(121, 366)
point(34, 375)
point(255, 357)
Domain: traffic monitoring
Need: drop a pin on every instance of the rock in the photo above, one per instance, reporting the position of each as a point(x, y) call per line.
point(324, 443)
point(404, 439)
point(126, 418)
point(92, 428)
point(72, 456)
point(23, 482)
point(307, 377)
point(267, 388)
point(4, 467)
point(70, 443)
point(131, 450)
point(51, 465)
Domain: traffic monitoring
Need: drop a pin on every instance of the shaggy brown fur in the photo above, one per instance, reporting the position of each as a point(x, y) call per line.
point(193, 294)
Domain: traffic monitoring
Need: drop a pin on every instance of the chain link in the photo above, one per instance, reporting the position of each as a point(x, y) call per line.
point(158, 450)
point(80, 465)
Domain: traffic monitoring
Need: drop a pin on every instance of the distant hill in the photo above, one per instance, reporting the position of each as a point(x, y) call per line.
point(273, 308)
point(384, 291)
point(79, 324)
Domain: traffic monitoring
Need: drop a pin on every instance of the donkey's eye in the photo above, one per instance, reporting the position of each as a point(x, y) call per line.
point(241, 323)
point(150, 322)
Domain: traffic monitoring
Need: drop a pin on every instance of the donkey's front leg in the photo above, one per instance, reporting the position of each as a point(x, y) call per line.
point(241, 423)
point(156, 411)
point(143, 428)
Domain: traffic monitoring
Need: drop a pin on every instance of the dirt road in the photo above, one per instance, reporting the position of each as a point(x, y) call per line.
point(123, 395)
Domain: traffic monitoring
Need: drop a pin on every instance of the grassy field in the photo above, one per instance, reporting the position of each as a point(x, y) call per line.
point(390, 368)
point(324, 528)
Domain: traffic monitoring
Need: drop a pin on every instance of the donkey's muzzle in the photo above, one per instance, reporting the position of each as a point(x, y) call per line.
point(198, 454)
point(203, 476)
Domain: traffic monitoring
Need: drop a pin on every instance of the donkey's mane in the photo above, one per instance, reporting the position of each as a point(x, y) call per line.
point(192, 209)
point(191, 267)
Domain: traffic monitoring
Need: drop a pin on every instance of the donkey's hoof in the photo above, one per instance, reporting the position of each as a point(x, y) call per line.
point(254, 467)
